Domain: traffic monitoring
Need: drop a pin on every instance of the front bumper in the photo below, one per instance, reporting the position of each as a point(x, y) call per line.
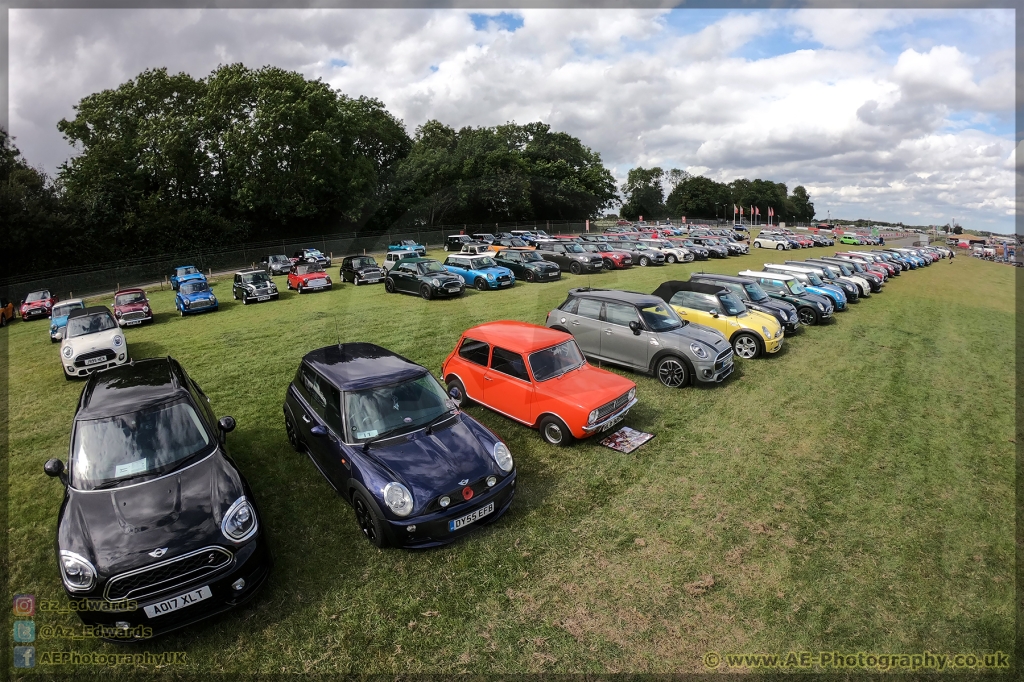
point(773, 345)
point(204, 309)
point(251, 563)
point(608, 421)
point(431, 530)
point(444, 291)
point(35, 313)
point(73, 370)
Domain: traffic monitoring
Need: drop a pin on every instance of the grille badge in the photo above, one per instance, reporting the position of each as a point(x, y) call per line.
point(158, 552)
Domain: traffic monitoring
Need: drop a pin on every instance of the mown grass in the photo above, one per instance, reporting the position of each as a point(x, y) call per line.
point(853, 493)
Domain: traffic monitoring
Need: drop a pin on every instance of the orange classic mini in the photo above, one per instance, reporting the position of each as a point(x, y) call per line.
point(539, 377)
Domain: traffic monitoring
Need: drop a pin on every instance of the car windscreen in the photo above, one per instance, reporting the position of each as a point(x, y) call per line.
point(556, 360)
point(366, 262)
point(795, 287)
point(280, 259)
point(519, 243)
point(187, 271)
point(255, 278)
point(37, 296)
point(814, 279)
point(478, 263)
point(194, 287)
point(62, 310)
point(731, 304)
point(660, 318)
point(431, 267)
point(376, 412)
point(128, 299)
point(149, 442)
point(307, 268)
point(532, 257)
point(90, 324)
point(754, 291)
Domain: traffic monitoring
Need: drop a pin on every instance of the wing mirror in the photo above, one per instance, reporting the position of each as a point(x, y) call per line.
point(54, 468)
point(714, 312)
point(227, 424)
point(318, 430)
point(635, 327)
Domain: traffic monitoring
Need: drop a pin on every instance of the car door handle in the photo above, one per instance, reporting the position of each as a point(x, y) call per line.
point(575, 322)
point(306, 419)
point(608, 332)
point(488, 379)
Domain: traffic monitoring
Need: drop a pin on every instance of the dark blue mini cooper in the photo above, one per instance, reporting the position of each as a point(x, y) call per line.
point(417, 471)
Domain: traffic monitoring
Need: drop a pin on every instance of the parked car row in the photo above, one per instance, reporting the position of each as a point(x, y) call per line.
point(394, 441)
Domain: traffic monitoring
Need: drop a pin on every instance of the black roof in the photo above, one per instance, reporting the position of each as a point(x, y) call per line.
point(131, 387)
point(615, 295)
point(723, 278)
point(356, 366)
point(668, 289)
point(91, 310)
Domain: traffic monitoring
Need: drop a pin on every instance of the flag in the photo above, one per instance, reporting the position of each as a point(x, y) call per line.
point(757, 211)
point(741, 211)
point(770, 212)
point(734, 209)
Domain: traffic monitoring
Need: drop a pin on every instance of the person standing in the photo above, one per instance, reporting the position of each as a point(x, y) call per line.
point(952, 254)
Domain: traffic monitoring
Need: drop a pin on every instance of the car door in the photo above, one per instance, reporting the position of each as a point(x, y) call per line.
point(694, 306)
point(618, 342)
point(476, 355)
point(583, 320)
point(507, 386)
point(312, 414)
point(405, 278)
point(236, 286)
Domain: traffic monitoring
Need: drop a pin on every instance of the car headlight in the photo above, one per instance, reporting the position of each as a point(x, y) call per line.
point(239, 522)
point(444, 501)
point(185, 301)
point(502, 456)
point(490, 277)
point(117, 313)
point(436, 282)
point(67, 351)
point(117, 340)
point(699, 351)
point(145, 308)
point(631, 394)
point(398, 498)
point(767, 333)
point(213, 298)
point(592, 417)
point(78, 572)
point(821, 307)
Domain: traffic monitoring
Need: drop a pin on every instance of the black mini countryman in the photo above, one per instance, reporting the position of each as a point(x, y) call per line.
point(158, 528)
point(417, 471)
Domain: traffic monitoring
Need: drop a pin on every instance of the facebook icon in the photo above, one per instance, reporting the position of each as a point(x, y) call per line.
point(24, 657)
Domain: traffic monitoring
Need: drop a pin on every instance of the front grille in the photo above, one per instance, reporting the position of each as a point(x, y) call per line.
point(479, 488)
point(134, 315)
point(318, 282)
point(723, 359)
point(265, 291)
point(612, 407)
point(504, 278)
point(36, 311)
point(204, 303)
point(452, 285)
point(107, 356)
point(168, 575)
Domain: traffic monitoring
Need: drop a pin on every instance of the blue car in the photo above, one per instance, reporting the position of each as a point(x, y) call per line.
point(480, 271)
point(408, 245)
point(59, 317)
point(195, 297)
point(417, 471)
point(185, 273)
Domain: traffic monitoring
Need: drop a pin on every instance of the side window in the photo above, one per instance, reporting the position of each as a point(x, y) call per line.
point(407, 267)
point(509, 363)
point(570, 306)
point(708, 302)
point(589, 308)
point(238, 279)
point(203, 403)
point(312, 390)
point(474, 351)
point(619, 314)
point(333, 411)
point(683, 299)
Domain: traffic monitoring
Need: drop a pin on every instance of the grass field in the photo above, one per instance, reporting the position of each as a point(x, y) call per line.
point(852, 493)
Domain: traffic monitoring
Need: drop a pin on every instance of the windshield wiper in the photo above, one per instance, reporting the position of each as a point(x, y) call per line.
point(117, 481)
point(381, 436)
point(439, 418)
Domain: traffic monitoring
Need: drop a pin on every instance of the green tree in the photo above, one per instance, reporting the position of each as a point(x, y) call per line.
point(699, 197)
point(800, 201)
point(644, 195)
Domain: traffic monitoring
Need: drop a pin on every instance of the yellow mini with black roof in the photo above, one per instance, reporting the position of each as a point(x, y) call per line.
point(750, 332)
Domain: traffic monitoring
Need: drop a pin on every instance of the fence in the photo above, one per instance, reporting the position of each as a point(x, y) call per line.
point(107, 277)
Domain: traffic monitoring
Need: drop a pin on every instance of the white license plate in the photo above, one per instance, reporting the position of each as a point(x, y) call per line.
point(372, 281)
point(179, 602)
point(130, 323)
point(504, 284)
point(94, 361)
point(263, 298)
point(613, 422)
point(471, 517)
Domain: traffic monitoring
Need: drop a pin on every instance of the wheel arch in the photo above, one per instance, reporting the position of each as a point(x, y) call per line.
point(673, 352)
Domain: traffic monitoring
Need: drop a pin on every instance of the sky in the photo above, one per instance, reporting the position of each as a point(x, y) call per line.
point(889, 114)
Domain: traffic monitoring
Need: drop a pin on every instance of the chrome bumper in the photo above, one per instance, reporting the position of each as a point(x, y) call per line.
point(621, 412)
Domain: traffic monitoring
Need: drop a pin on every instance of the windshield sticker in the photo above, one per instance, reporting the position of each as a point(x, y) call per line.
point(366, 434)
point(136, 467)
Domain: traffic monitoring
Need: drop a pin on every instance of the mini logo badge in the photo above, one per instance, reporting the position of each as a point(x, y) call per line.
point(464, 481)
point(158, 552)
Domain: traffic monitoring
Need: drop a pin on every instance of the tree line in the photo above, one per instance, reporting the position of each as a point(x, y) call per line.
point(168, 163)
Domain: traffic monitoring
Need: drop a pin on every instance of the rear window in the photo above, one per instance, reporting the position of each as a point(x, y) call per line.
point(474, 351)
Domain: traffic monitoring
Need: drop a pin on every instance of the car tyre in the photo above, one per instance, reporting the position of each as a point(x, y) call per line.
point(746, 346)
point(368, 520)
point(245, 299)
point(780, 247)
point(389, 285)
point(445, 247)
point(608, 264)
point(234, 294)
point(554, 432)
point(531, 276)
point(455, 384)
point(3, 320)
point(643, 262)
point(670, 259)
point(480, 284)
point(298, 288)
point(67, 377)
point(575, 268)
point(426, 292)
point(672, 372)
point(807, 316)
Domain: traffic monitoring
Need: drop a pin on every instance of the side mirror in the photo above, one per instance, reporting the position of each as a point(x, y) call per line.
point(318, 430)
point(714, 312)
point(54, 468)
point(227, 424)
point(635, 326)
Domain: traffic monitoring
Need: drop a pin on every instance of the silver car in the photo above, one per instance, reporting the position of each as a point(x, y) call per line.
point(643, 333)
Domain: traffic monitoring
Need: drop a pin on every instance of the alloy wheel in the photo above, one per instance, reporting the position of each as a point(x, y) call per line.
point(807, 316)
point(745, 346)
point(364, 519)
point(671, 372)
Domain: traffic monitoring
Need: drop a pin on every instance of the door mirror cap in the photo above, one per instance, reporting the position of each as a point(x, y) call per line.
point(635, 326)
point(714, 312)
point(318, 430)
point(227, 424)
point(54, 468)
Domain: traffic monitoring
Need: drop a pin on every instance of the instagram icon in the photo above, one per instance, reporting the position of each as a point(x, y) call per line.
point(24, 604)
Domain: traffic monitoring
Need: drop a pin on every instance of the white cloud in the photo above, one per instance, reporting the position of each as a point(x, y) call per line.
point(863, 130)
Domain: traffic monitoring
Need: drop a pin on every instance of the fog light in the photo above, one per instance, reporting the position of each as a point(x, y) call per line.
point(707, 372)
point(444, 501)
point(121, 356)
point(71, 370)
point(122, 625)
point(491, 480)
point(238, 585)
point(411, 529)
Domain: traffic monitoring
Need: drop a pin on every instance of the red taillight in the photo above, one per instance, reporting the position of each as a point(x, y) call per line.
point(467, 493)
